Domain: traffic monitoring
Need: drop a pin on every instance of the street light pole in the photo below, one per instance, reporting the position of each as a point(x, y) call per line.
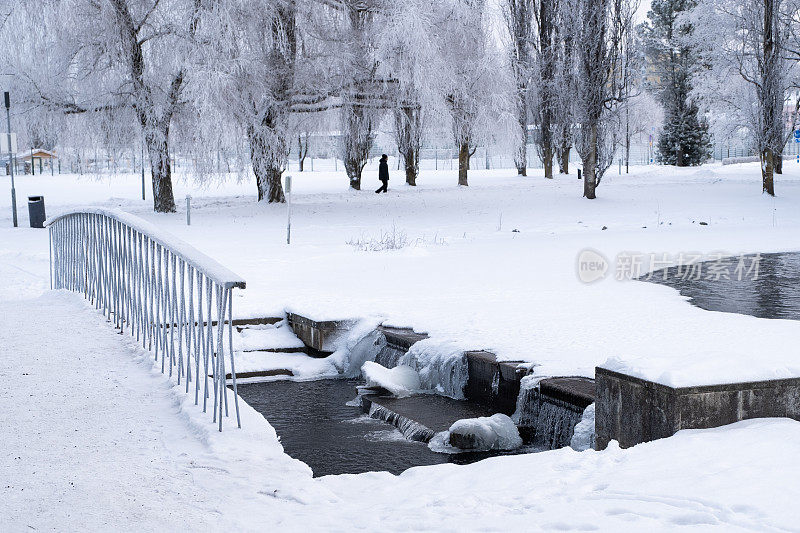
point(11, 160)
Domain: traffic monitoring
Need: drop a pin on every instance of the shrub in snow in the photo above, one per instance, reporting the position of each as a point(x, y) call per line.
point(496, 432)
point(400, 380)
point(584, 437)
point(388, 240)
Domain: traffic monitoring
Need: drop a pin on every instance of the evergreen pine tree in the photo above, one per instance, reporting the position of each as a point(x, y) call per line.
point(684, 139)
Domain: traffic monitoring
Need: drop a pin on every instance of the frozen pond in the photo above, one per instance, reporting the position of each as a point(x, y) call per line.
point(773, 293)
point(316, 427)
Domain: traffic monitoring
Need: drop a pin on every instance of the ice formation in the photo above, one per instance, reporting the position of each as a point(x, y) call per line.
point(400, 380)
point(584, 436)
point(442, 366)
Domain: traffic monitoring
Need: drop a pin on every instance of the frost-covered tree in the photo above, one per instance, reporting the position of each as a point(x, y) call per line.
point(748, 48)
point(474, 79)
point(605, 25)
point(519, 17)
point(252, 69)
point(566, 82)
point(546, 89)
point(532, 27)
point(110, 56)
point(684, 139)
point(361, 91)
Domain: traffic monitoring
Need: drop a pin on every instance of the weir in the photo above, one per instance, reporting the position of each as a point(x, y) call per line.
point(548, 411)
point(545, 415)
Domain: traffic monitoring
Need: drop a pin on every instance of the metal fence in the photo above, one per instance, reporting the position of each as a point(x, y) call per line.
point(173, 299)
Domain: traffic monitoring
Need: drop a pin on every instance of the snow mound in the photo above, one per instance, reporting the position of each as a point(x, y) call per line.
point(400, 380)
point(496, 432)
point(267, 336)
point(584, 437)
point(441, 365)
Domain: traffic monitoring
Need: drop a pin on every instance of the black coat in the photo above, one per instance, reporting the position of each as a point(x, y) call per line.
point(383, 171)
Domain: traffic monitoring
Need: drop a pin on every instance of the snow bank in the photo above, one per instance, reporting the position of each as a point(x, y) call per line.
point(441, 365)
point(496, 432)
point(584, 436)
point(400, 380)
point(266, 336)
point(301, 365)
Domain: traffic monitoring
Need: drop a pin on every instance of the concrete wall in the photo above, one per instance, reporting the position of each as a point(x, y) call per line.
point(633, 410)
point(491, 382)
point(319, 337)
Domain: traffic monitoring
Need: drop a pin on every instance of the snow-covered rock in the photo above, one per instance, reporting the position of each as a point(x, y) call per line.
point(584, 436)
point(400, 380)
point(496, 432)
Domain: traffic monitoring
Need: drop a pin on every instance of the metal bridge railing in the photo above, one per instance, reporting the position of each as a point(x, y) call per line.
point(175, 300)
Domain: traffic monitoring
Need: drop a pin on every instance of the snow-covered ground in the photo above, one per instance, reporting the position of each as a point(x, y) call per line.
point(492, 266)
point(93, 439)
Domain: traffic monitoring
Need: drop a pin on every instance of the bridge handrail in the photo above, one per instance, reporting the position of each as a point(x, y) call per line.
point(175, 300)
point(205, 264)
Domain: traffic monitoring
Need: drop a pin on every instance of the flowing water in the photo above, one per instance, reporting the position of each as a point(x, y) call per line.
point(317, 427)
point(773, 293)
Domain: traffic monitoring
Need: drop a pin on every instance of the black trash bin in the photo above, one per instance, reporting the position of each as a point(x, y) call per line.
point(36, 211)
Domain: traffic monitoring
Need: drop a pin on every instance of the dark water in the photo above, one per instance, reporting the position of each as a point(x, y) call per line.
point(773, 293)
point(316, 427)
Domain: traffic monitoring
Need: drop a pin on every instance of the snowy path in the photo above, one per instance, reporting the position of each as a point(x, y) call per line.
point(92, 438)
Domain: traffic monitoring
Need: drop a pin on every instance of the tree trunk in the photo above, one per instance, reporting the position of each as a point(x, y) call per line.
point(407, 133)
point(563, 158)
point(267, 168)
point(547, 98)
point(463, 163)
point(302, 151)
point(356, 142)
point(158, 150)
point(627, 139)
point(590, 167)
point(521, 153)
point(771, 96)
point(411, 162)
point(767, 171)
point(779, 163)
point(547, 160)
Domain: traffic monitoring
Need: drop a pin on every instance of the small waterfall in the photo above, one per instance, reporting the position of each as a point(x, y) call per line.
point(389, 355)
point(410, 429)
point(555, 423)
point(542, 420)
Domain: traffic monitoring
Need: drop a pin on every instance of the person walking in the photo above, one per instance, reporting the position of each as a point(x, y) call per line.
point(383, 174)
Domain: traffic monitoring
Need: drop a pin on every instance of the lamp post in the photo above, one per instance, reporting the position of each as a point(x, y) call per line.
point(11, 159)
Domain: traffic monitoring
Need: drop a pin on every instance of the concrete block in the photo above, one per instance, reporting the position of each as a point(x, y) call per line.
point(320, 337)
point(633, 410)
point(493, 383)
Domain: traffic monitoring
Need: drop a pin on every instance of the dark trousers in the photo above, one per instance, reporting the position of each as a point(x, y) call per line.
point(384, 187)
